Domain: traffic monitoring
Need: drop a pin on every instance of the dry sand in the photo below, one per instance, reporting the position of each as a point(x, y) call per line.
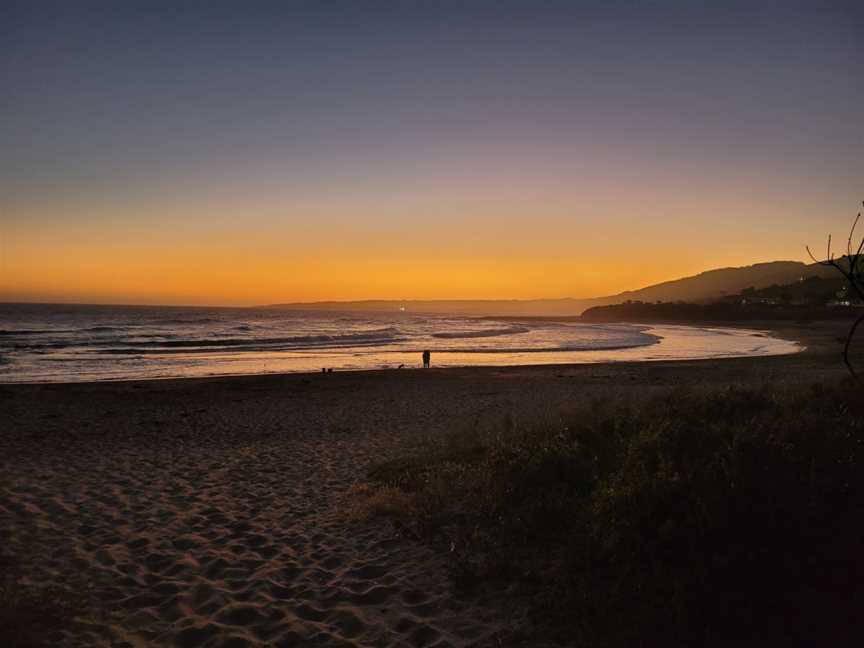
point(214, 512)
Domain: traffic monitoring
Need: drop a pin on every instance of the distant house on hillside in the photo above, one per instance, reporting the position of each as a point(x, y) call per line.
point(842, 298)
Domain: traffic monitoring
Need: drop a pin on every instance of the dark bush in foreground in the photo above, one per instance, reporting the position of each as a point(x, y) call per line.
point(705, 518)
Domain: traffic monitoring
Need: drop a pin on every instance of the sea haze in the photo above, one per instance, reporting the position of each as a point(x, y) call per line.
point(67, 343)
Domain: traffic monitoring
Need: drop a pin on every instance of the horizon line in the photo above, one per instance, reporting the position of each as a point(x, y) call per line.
point(299, 303)
point(395, 300)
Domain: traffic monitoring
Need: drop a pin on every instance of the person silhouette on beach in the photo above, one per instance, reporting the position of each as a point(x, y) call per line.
point(426, 356)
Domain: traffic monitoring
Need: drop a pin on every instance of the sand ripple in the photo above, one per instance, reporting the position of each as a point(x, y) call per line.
point(194, 522)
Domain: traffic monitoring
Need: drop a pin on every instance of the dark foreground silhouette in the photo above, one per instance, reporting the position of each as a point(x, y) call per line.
point(704, 517)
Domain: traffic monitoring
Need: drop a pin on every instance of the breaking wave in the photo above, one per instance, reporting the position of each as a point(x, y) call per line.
point(70, 344)
point(512, 330)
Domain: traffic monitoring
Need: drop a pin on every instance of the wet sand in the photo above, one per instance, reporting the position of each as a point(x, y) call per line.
point(216, 512)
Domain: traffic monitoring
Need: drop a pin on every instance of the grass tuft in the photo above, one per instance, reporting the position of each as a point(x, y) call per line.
point(703, 517)
point(372, 500)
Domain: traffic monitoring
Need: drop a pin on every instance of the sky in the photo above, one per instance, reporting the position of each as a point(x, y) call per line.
point(245, 153)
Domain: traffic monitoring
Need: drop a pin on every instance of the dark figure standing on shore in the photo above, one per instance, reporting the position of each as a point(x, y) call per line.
point(426, 356)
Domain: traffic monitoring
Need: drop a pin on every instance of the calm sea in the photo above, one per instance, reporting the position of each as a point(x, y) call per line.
point(64, 343)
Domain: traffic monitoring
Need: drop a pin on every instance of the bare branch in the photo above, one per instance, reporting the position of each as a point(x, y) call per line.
point(827, 263)
point(851, 234)
point(854, 258)
point(847, 345)
point(854, 280)
point(856, 286)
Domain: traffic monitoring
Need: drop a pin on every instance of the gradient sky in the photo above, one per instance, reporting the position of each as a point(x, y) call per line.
point(258, 152)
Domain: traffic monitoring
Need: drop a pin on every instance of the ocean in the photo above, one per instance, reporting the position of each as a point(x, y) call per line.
point(73, 343)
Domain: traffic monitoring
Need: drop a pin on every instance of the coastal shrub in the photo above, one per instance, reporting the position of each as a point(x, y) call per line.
point(704, 517)
point(370, 501)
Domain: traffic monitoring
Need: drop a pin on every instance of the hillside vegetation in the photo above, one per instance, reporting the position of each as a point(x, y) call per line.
point(807, 299)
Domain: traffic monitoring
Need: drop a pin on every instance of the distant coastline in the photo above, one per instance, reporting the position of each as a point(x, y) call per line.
point(704, 287)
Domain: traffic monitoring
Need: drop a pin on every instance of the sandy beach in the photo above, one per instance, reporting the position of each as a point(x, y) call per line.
point(431, 324)
point(217, 512)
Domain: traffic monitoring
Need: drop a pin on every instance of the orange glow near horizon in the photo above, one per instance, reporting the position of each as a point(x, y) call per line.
point(245, 251)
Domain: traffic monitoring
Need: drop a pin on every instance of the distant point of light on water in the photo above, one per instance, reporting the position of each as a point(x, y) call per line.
point(70, 343)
